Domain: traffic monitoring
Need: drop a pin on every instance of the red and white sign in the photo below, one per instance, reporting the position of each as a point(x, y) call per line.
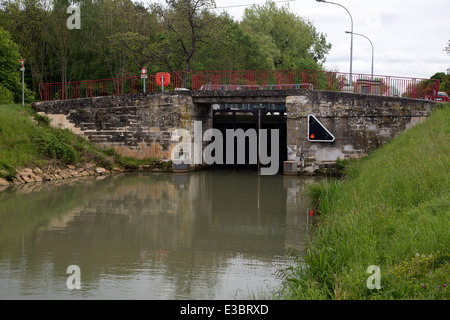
point(144, 73)
point(22, 62)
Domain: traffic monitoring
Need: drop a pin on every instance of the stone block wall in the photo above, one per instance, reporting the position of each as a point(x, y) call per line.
point(141, 125)
point(360, 123)
point(136, 125)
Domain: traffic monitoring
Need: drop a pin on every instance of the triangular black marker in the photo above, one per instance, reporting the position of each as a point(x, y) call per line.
point(317, 132)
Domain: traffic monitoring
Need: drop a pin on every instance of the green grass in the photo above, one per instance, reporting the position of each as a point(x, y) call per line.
point(16, 128)
point(391, 210)
point(28, 140)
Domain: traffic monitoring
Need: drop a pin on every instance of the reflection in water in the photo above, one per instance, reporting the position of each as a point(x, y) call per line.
point(218, 234)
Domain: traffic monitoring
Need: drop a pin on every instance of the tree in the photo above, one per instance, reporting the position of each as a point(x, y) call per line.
point(112, 19)
point(444, 81)
point(60, 41)
point(288, 41)
point(233, 49)
point(10, 79)
point(188, 24)
point(140, 41)
point(118, 37)
point(447, 48)
point(422, 88)
point(26, 20)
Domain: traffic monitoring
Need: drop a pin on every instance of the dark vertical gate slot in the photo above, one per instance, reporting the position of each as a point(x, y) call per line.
point(272, 117)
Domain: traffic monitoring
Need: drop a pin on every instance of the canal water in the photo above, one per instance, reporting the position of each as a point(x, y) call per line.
point(213, 234)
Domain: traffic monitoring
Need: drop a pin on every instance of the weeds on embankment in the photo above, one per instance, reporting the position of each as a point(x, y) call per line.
point(28, 140)
point(392, 210)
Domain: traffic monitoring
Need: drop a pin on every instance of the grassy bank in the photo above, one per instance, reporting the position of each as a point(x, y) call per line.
point(391, 210)
point(28, 140)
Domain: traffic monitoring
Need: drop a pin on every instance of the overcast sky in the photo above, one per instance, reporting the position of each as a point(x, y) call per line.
point(408, 36)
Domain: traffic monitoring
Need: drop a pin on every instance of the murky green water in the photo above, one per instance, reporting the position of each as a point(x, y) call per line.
point(218, 234)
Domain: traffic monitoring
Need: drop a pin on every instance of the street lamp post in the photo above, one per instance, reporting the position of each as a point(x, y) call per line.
point(351, 41)
point(358, 34)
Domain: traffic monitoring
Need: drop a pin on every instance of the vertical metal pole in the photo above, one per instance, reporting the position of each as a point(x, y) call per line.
point(302, 155)
point(259, 142)
point(351, 41)
point(351, 53)
point(162, 82)
point(144, 85)
point(23, 86)
point(372, 58)
point(371, 44)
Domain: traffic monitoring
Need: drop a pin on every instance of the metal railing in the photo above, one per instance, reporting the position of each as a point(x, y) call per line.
point(391, 86)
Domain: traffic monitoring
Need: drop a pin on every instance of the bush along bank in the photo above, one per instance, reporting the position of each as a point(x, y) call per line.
point(32, 151)
point(390, 210)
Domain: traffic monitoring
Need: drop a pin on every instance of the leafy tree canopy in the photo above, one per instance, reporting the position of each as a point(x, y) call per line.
point(287, 40)
point(119, 37)
point(444, 79)
point(10, 79)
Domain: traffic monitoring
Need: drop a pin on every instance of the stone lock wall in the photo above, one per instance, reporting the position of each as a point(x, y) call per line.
point(360, 123)
point(141, 125)
point(138, 125)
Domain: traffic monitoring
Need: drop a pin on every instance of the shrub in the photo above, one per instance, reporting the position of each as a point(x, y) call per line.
point(42, 119)
point(50, 146)
point(6, 96)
